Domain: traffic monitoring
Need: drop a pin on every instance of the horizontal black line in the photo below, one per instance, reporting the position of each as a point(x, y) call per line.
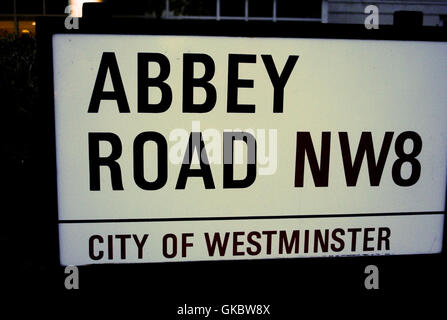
point(308, 216)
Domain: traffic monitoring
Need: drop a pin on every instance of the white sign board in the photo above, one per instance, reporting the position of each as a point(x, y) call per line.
point(308, 147)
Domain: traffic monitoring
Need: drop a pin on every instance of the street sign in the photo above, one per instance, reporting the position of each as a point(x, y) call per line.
point(189, 148)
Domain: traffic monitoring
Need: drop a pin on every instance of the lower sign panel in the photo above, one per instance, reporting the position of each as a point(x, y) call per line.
point(90, 242)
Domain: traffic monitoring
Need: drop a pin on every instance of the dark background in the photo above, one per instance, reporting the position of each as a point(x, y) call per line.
point(234, 8)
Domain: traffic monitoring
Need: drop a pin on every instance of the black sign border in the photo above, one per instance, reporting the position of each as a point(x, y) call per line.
point(45, 137)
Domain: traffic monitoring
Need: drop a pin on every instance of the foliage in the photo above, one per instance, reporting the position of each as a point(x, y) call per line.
point(18, 92)
point(18, 102)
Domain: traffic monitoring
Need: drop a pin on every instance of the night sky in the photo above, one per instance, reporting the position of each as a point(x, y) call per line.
point(33, 6)
point(263, 8)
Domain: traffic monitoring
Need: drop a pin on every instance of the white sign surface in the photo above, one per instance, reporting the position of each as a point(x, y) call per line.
point(351, 147)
